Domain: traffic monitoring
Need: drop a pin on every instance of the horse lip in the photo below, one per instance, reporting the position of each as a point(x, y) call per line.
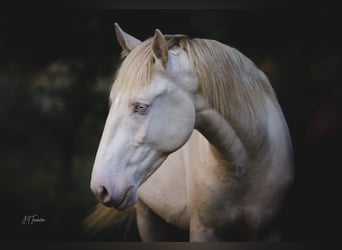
point(121, 205)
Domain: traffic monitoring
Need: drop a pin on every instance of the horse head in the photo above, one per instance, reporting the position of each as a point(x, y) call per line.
point(152, 114)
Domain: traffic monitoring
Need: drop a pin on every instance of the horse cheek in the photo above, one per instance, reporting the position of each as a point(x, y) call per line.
point(179, 127)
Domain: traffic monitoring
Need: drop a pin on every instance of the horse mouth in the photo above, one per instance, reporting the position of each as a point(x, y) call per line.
point(126, 200)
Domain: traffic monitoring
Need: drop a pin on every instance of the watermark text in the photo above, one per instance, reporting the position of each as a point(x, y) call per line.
point(32, 219)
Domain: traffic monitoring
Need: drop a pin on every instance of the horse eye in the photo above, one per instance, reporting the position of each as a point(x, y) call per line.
point(141, 108)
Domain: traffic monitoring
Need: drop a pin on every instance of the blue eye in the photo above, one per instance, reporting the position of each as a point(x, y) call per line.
point(141, 108)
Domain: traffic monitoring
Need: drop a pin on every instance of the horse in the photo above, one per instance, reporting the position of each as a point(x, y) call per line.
point(195, 137)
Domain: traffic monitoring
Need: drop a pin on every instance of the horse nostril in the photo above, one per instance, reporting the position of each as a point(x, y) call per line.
point(104, 196)
point(103, 192)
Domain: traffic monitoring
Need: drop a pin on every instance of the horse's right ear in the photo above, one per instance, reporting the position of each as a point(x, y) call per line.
point(126, 41)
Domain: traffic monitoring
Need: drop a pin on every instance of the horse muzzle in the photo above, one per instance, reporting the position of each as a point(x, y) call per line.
point(121, 199)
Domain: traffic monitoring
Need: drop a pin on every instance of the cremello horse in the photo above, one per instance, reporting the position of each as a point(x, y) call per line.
point(195, 137)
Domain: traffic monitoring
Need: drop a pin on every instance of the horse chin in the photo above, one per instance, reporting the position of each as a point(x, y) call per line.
point(129, 200)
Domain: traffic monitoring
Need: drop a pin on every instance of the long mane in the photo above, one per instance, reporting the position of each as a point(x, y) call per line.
point(228, 80)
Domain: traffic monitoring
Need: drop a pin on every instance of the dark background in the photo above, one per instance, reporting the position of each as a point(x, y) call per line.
point(56, 69)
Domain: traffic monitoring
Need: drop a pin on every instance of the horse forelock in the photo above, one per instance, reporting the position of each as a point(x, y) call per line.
point(134, 73)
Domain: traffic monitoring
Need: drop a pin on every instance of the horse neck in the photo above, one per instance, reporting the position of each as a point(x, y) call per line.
point(234, 140)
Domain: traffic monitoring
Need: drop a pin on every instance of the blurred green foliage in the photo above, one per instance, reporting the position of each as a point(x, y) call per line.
point(50, 131)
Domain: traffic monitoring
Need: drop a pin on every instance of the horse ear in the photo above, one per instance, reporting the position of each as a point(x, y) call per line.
point(126, 41)
point(159, 49)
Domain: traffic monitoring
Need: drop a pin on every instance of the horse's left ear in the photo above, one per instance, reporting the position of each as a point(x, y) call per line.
point(159, 49)
point(126, 41)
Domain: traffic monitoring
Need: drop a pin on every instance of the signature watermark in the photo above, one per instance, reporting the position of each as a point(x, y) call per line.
point(32, 219)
